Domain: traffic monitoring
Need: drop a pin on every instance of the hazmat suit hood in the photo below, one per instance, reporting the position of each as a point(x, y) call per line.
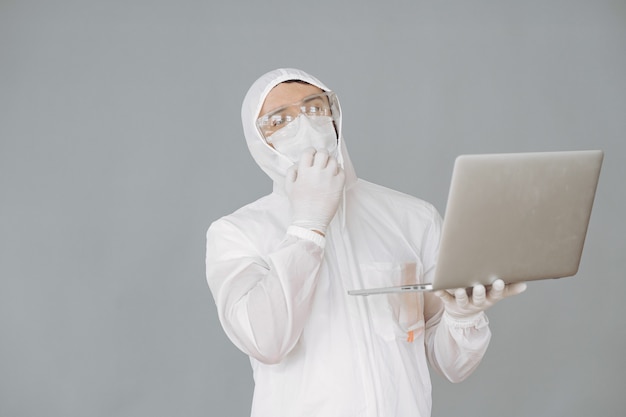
point(271, 161)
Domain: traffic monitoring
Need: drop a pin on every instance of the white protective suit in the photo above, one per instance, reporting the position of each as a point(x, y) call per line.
point(281, 296)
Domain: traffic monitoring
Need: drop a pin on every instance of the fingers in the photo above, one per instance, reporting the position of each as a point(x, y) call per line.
point(458, 296)
point(496, 292)
point(321, 158)
point(445, 296)
point(333, 165)
point(499, 290)
point(514, 289)
point(307, 158)
point(479, 295)
point(292, 174)
point(462, 300)
point(498, 285)
point(459, 303)
point(461, 297)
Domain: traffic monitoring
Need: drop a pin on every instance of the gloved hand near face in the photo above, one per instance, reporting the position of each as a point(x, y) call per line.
point(314, 187)
point(304, 132)
point(461, 306)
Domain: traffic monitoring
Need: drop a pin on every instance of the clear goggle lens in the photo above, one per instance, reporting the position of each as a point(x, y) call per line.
point(322, 104)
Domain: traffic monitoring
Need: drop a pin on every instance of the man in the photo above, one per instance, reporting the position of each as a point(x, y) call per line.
point(279, 270)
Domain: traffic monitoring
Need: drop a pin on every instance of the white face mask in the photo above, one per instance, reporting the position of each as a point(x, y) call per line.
point(304, 132)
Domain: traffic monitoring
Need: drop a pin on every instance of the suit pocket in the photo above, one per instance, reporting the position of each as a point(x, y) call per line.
point(394, 315)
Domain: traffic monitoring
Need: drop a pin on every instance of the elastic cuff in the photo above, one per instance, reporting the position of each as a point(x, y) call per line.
point(307, 234)
point(478, 321)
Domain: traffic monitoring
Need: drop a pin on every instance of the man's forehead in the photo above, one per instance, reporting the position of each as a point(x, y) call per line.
point(286, 93)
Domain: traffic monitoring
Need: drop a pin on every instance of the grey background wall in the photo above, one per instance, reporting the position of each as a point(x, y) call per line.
point(120, 141)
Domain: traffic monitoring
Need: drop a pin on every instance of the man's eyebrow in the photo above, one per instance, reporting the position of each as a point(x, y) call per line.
point(317, 97)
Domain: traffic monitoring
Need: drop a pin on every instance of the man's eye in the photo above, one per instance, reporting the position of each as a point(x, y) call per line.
point(277, 121)
point(317, 108)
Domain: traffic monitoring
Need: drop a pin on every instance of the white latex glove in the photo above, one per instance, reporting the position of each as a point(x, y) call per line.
point(459, 305)
point(314, 188)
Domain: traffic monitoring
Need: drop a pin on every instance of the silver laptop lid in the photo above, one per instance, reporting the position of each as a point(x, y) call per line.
point(518, 217)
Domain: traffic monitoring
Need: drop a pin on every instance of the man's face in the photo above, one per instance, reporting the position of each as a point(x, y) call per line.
point(284, 103)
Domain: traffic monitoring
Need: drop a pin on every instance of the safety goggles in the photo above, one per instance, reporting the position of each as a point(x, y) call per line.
point(322, 104)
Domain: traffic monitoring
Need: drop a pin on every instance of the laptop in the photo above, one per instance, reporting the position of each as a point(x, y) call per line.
point(516, 216)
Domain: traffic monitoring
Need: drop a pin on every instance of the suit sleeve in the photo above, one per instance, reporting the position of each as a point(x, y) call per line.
point(454, 348)
point(264, 301)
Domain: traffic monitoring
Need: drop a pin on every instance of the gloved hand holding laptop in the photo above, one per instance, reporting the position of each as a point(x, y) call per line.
point(460, 305)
